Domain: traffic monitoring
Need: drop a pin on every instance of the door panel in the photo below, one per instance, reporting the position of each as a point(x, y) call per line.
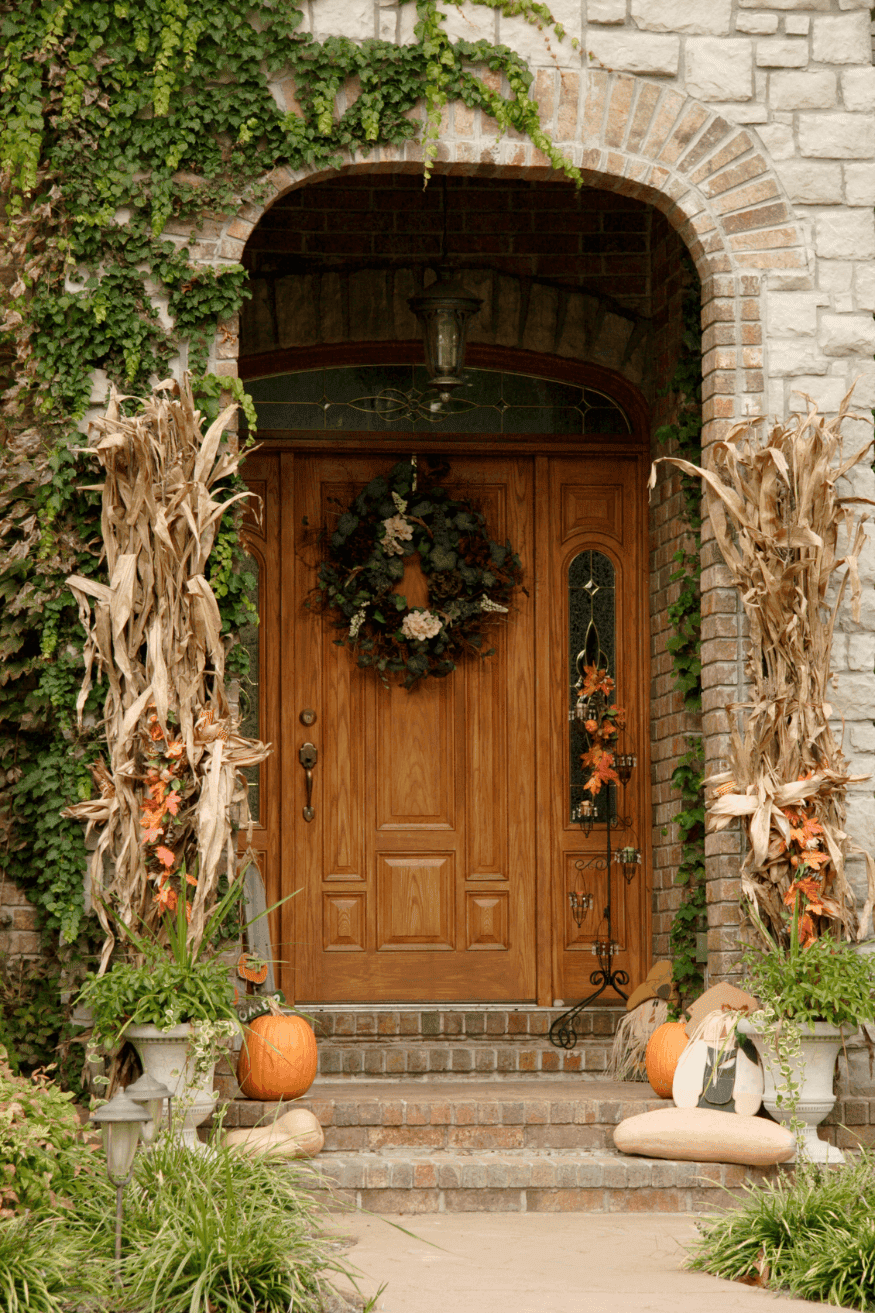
point(592, 507)
point(421, 800)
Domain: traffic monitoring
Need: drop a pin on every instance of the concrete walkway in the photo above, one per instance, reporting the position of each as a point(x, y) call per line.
point(541, 1263)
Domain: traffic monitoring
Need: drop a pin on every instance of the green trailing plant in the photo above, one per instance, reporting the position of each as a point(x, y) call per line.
point(683, 437)
point(33, 1023)
point(175, 981)
point(128, 127)
point(826, 980)
point(808, 1234)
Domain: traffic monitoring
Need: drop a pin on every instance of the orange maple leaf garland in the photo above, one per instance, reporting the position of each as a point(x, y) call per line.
point(603, 733)
point(166, 779)
point(811, 865)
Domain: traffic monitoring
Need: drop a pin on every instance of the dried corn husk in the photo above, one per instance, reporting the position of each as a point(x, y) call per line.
point(155, 631)
point(792, 545)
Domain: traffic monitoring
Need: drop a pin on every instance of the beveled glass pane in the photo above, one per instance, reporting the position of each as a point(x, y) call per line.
point(591, 641)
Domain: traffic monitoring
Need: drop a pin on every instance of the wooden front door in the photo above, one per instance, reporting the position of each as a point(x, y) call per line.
point(442, 847)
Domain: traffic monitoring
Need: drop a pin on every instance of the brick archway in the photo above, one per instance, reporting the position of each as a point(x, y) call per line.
point(641, 139)
point(716, 188)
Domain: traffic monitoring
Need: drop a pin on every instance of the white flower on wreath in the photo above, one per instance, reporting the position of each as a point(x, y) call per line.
point(396, 531)
point(421, 625)
point(356, 622)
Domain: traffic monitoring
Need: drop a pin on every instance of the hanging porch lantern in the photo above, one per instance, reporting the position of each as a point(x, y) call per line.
point(443, 310)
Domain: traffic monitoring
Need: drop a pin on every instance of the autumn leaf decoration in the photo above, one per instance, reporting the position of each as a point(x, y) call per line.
point(603, 726)
point(803, 840)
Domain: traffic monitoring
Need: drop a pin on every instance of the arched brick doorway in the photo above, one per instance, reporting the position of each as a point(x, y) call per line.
point(646, 143)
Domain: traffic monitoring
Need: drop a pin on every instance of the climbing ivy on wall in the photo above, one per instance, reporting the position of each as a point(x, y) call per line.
point(684, 438)
point(129, 125)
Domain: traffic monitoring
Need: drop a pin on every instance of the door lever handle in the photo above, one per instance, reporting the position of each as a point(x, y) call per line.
point(308, 755)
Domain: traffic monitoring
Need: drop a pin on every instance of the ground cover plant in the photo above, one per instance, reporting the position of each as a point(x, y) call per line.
point(217, 1232)
point(808, 1233)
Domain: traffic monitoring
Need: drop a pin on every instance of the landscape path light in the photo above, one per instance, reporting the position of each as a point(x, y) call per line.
point(150, 1094)
point(120, 1121)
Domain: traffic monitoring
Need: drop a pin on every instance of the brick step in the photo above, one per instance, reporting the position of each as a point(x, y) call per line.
point(470, 1115)
point(526, 1180)
point(521, 1023)
point(451, 1058)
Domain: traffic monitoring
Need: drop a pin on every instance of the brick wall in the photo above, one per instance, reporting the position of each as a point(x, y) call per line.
point(19, 936)
point(669, 723)
point(578, 239)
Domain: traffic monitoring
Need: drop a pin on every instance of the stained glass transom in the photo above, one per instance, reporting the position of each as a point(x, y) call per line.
point(385, 398)
point(591, 641)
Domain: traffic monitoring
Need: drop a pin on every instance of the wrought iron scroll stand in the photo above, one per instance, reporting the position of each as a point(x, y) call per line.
point(562, 1032)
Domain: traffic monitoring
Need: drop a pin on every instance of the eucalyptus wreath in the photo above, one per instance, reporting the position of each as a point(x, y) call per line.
point(471, 578)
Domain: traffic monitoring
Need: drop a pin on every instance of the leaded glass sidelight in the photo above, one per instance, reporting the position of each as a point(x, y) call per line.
point(592, 624)
point(250, 686)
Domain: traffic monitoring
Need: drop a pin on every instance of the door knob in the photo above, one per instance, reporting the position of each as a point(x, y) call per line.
point(308, 755)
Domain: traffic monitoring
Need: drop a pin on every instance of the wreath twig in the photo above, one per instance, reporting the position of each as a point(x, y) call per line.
point(471, 578)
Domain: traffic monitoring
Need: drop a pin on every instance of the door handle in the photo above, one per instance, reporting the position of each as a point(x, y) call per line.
point(308, 755)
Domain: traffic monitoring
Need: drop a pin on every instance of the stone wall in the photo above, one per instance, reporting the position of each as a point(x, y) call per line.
point(749, 125)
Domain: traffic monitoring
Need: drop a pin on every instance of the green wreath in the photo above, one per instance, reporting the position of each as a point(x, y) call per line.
point(471, 579)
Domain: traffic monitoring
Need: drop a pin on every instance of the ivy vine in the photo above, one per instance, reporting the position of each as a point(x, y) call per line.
point(684, 437)
point(130, 127)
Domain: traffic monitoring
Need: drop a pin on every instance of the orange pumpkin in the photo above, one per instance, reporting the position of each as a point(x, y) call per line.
point(664, 1049)
point(278, 1058)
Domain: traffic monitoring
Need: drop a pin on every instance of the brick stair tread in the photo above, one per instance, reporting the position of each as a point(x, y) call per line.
point(508, 1102)
point(588, 1168)
point(421, 1181)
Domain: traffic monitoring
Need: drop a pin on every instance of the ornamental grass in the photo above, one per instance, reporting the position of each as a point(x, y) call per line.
point(809, 1234)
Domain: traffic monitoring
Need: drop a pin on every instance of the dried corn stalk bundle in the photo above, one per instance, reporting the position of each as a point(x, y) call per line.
point(792, 545)
point(175, 753)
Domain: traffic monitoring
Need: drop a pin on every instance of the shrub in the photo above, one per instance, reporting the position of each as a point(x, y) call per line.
point(810, 1234)
point(42, 1152)
point(217, 1232)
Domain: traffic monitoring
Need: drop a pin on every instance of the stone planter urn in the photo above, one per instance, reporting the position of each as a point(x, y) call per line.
point(813, 1070)
point(165, 1055)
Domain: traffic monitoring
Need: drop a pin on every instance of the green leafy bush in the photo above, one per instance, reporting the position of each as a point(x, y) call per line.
point(810, 1235)
point(42, 1151)
point(826, 981)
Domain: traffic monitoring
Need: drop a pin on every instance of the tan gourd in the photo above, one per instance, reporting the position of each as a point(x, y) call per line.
point(278, 1058)
point(664, 1049)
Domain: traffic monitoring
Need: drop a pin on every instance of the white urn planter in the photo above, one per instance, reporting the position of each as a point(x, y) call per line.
point(813, 1071)
point(165, 1055)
